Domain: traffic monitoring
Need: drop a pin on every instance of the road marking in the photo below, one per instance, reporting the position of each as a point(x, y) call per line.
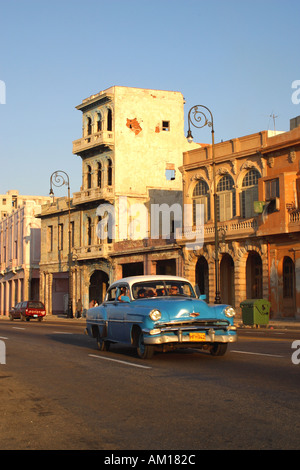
point(255, 354)
point(18, 328)
point(62, 332)
point(121, 362)
point(3, 337)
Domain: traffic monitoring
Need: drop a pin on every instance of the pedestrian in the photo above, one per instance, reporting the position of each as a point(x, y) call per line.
point(78, 309)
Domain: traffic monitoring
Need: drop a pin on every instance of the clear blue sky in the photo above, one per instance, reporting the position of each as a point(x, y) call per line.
point(237, 57)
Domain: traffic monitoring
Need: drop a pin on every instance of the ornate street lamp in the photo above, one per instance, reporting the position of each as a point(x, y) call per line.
point(200, 116)
point(58, 179)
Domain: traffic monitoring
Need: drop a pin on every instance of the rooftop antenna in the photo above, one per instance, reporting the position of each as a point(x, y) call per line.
point(274, 118)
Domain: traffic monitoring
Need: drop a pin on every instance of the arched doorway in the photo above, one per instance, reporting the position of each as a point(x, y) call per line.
point(98, 286)
point(202, 277)
point(288, 278)
point(254, 276)
point(227, 280)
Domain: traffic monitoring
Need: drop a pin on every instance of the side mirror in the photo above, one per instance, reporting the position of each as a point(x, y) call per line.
point(202, 297)
point(125, 298)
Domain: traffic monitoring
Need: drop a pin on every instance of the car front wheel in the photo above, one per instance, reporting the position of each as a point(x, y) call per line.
point(101, 344)
point(144, 351)
point(218, 349)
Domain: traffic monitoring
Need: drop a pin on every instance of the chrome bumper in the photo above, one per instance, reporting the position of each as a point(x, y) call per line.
point(179, 337)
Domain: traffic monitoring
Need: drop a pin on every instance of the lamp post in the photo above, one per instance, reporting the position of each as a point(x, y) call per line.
point(200, 116)
point(60, 178)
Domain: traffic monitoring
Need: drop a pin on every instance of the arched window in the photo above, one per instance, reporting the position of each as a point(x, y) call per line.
point(201, 196)
point(89, 231)
point(109, 120)
point(99, 175)
point(225, 199)
point(249, 193)
point(89, 177)
point(109, 173)
point(89, 126)
point(99, 122)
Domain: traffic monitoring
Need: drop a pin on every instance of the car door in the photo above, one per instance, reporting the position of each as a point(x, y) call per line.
point(116, 313)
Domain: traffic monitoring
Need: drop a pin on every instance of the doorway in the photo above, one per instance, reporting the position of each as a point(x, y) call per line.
point(227, 280)
point(254, 276)
point(98, 286)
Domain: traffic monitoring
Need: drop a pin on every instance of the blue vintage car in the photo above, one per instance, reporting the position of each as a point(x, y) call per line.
point(159, 313)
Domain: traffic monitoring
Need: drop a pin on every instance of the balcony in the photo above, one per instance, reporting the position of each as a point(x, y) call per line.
point(93, 194)
point(93, 251)
point(231, 229)
point(294, 221)
point(105, 138)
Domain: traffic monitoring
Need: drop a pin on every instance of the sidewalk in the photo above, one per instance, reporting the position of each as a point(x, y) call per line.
point(278, 323)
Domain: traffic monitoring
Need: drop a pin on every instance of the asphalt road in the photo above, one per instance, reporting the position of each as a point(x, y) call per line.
point(59, 392)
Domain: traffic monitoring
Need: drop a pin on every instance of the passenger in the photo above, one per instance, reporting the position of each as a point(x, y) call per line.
point(123, 292)
point(151, 293)
point(174, 290)
point(160, 292)
point(141, 293)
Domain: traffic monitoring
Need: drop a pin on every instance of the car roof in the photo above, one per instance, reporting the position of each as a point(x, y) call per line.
point(148, 277)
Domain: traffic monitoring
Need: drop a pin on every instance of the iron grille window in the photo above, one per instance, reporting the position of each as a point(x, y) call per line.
point(226, 203)
point(201, 196)
point(250, 193)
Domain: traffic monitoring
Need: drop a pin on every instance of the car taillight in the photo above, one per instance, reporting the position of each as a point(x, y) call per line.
point(26, 311)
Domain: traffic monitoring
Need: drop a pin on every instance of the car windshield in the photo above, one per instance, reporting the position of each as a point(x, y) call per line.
point(35, 305)
point(162, 288)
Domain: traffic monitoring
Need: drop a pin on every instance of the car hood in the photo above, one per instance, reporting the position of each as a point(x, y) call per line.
point(182, 308)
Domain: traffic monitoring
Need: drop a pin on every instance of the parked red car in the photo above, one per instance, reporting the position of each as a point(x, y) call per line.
point(27, 310)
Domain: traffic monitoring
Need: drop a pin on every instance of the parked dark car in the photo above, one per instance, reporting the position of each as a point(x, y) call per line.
point(27, 310)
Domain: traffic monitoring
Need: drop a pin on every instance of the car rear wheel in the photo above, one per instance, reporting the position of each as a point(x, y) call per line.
point(144, 350)
point(102, 345)
point(11, 317)
point(218, 349)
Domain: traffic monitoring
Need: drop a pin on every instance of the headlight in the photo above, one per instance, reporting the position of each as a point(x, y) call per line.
point(155, 315)
point(229, 312)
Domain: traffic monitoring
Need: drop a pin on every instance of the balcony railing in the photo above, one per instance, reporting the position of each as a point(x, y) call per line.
point(232, 228)
point(295, 217)
point(88, 195)
point(294, 221)
point(93, 140)
point(94, 251)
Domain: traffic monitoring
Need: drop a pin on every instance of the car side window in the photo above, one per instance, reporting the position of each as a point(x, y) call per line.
point(122, 290)
point(111, 294)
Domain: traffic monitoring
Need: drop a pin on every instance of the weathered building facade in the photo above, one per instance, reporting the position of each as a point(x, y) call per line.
point(131, 148)
point(20, 244)
point(258, 207)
